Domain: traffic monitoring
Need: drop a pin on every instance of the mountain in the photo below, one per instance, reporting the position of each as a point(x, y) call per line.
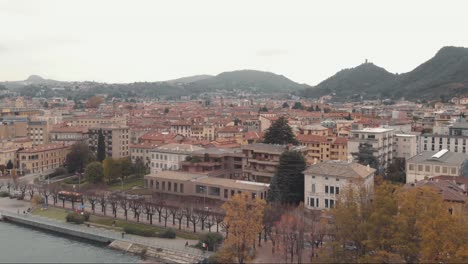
point(351, 82)
point(443, 76)
point(190, 79)
point(246, 80)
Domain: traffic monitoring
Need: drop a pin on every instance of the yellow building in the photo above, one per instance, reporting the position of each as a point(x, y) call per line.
point(323, 148)
point(42, 158)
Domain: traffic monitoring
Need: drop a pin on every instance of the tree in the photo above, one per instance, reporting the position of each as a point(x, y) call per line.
point(287, 186)
point(396, 171)
point(9, 165)
point(46, 105)
point(94, 172)
point(166, 110)
point(280, 133)
point(263, 109)
point(285, 105)
point(365, 155)
point(126, 166)
point(317, 108)
point(139, 167)
point(244, 217)
point(94, 101)
point(101, 147)
point(112, 169)
point(79, 157)
point(298, 105)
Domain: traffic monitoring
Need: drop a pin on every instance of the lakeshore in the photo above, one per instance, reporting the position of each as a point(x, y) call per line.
point(164, 250)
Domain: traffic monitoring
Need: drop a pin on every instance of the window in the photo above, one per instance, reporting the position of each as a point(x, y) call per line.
point(326, 203)
point(312, 204)
point(453, 171)
point(332, 189)
point(313, 188)
point(444, 170)
point(437, 169)
point(157, 185)
point(326, 188)
point(200, 189)
point(337, 190)
point(214, 191)
point(232, 193)
point(169, 186)
point(332, 203)
point(411, 167)
point(226, 193)
point(182, 188)
point(428, 168)
point(317, 204)
point(151, 184)
point(163, 186)
point(420, 167)
point(175, 187)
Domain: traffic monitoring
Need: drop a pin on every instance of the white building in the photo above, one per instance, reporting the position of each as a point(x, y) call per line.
point(324, 181)
point(428, 164)
point(431, 142)
point(169, 156)
point(406, 146)
point(381, 140)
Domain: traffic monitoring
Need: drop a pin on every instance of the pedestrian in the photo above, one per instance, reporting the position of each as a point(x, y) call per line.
point(186, 244)
point(123, 233)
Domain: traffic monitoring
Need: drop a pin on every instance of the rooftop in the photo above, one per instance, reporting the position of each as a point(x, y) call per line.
point(44, 147)
point(177, 148)
point(373, 130)
point(444, 156)
point(340, 169)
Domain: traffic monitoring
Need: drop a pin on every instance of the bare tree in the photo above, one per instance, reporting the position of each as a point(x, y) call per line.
point(165, 215)
point(179, 216)
point(173, 211)
point(159, 204)
point(114, 203)
point(9, 186)
point(210, 221)
point(194, 219)
point(1, 185)
point(124, 204)
point(202, 215)
point(92, 199)
point(22, 187)
point(102, 199)
point(54, 193)
point(150, 210)
point(136, 206)
point(188, 214)
point(31, 191)
point(219, 217)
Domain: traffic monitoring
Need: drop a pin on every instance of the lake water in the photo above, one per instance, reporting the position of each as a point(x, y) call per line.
point(24, 244)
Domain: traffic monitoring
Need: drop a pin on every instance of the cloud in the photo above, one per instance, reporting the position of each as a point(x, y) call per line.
point(271, 52)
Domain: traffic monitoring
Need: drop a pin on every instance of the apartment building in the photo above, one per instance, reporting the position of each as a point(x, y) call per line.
point(315, 129)
point(116, 139)
point(323, 182)
point(38, 132)
point(454, 143)
point(406, 146)
point(215, 162)
point(323, 148)
point(428, 164)
point(182, 128)
point(170, 156)
point(202, 186)
point(261, 160)
point(96, 120)
point(142, 151)
point(10, 129)
point(42, 159)
point(379, 140)
point(69, 135)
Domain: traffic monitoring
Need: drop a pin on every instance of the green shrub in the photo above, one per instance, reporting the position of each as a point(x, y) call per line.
point(139, 230)
point(57, 172)
point(86, 216)
point(169, 233)
point(75, 218)
point(4, 194)
point(212, 239)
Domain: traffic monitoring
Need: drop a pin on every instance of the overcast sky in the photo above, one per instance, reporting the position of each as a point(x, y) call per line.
point(307, 41)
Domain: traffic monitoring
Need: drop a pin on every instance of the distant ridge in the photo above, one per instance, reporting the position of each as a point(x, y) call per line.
point(443, 76)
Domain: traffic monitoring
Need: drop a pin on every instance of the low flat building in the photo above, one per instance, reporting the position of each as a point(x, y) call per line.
point(203, 186)
point(428, 164)
point(324, 181)
point(42, 158)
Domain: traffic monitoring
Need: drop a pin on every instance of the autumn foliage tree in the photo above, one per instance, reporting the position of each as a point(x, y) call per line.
point(244, 217)
point(94, 102)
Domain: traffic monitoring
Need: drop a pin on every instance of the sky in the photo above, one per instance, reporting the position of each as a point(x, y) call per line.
point(138, 40)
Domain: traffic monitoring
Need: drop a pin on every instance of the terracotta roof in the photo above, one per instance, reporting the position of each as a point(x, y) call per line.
point(340, 169)
point(44, 147)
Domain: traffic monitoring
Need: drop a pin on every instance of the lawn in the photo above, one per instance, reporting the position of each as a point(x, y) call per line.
point(51, 212)
point(127, 185)
point(60, 214)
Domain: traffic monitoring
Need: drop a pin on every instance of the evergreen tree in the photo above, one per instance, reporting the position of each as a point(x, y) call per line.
point(298, 105)
point(101, 147)
point(317, 108)
point(280, 133)
point(9, 165)
point(263, 109)
point(287, 186)
point(285, 105)
point(79, 157)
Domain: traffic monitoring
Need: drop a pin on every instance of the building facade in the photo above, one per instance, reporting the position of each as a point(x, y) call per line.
point(42, 158)
point(170, 156)
point(116, 139)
